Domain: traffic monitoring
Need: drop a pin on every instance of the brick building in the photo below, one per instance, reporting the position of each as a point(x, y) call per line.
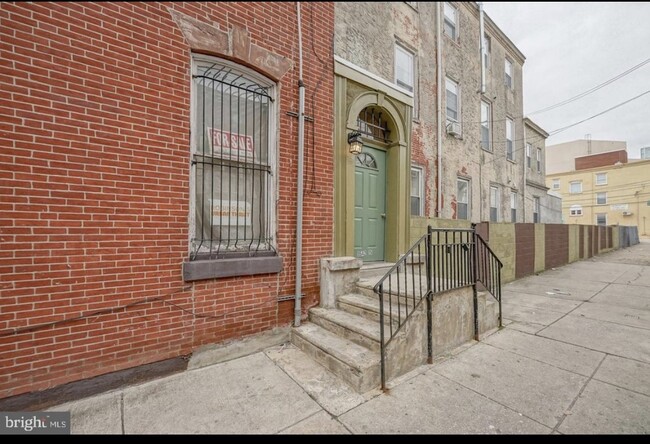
point(149, 168)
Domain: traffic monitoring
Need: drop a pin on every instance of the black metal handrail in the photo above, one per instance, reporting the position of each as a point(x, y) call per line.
point(452, 258)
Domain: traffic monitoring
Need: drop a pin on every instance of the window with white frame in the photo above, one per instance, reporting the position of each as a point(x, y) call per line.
point(486, 123)
point(601, 219)
point(601, 178)
point(528, 154)
point(575, 187)
point(513, 207)
point(510, 144)
point(539, 160)
point(233, 158)
point(487, 51)
point(404, 68)
point(463, 199)
point(417, 192)
point(494, 204)
point(508, 73)
point(575, 210)
point(601, 198)
point(556, 184)
point(450, 26)
point(452, 100)
point(537, 208)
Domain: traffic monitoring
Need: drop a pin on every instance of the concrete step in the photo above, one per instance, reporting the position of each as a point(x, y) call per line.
point(349, 326)
point(373, 270)
point(368, 307)
point(356, 365)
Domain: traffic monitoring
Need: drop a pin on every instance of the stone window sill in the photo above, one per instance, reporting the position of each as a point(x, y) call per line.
point(220, 268)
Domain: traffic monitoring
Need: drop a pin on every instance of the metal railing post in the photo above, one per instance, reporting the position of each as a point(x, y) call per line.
point(382, 342)
point(429, 266)
point(475, 279)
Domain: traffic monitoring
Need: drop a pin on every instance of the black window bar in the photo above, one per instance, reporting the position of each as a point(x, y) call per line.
point(232, 198)
point(371, 125)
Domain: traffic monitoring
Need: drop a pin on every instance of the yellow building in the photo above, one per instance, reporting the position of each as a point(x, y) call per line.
point(615, 194)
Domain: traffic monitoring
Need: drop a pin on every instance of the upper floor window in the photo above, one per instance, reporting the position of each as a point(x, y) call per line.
point(513, 207)
point(575, 210)
point(453, 102)
point(601, 198)
point(487, 50)
point(233, 158)
point(528, 154)
point(486, 121)
point(601, 178)
point(575, 187)
point(508, 74)
point(463, 199)
point(539, 160)
point(494, 204)
point(601, 219)
point(450, 26)
point(417, 192)
point(537, 210)
point(556, 184)
point(510, 148)
point(404, 68)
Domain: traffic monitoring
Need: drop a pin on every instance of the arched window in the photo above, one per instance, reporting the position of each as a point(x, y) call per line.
point(366, 160)
point(233, 155)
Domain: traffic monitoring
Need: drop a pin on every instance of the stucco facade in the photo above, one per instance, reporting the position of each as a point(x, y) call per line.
point(619, 193)
point(560, 157)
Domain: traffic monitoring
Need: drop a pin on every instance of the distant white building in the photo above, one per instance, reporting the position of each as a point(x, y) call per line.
point(560, 158)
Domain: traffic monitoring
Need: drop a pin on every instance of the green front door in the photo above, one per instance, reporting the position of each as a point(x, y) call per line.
point(370, 204)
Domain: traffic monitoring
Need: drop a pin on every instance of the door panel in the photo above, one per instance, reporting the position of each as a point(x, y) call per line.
point(370, 205)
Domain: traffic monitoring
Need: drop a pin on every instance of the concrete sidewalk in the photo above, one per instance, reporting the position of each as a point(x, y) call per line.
point(574, 358)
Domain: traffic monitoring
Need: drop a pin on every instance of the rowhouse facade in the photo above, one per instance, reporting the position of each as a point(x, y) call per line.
point(149, 179)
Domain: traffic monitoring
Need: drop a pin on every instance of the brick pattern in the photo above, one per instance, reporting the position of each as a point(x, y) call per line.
point(94, 123)
point(600, 160)
point(556, 251)
point(525, 250)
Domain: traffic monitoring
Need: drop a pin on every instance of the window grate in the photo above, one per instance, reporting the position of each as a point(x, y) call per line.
point(371, 125)
point(232, 164)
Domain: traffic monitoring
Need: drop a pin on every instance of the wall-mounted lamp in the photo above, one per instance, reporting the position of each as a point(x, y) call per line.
point(354, 143)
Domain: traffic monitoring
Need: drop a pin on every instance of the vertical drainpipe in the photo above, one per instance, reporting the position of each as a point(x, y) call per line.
point(439, 105)
point(301, 166)
point(482, 44)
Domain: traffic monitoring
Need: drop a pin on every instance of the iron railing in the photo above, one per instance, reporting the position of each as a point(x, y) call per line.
point(441, 260)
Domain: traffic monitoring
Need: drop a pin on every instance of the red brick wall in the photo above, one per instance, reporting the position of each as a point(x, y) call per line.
point(599, 160)
point(525, 250)
point(94, 123)
point(556, 250)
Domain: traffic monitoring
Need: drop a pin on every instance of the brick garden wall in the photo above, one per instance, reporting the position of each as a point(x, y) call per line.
point(94, 189)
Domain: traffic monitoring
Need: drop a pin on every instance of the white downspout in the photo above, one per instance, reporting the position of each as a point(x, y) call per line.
point(301, 167)
point(439, 105)
point(523, 188)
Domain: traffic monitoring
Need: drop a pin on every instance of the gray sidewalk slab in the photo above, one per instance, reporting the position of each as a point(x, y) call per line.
point(246, 395)
point(97, 415)
point(615, 339)
point(433, 404)
point(612, 313)
point(537, 390)
point(625, 373)
point(624, 296)
point(564, 356)
point(605, 409)
point(546, 302)
point(520, 313)
point(321, 423)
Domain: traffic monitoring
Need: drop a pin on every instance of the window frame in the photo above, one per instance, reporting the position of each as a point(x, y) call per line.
point(513, 207)
point(201, 266)
point(596, 179)
point(508, 79)
point(598, 215)
point(489, 124)
point(539, 160)
point(487, 54)
point(494, 203)
point(446, 21)
point(555, 182)
point(575, 210)
point(510, 139)
point(575, 182)
point(458, 110)
point(603, 195)
point(411, 55)
point(420, 171)
point(469, 198)
point(537, 210)
point(529, 149)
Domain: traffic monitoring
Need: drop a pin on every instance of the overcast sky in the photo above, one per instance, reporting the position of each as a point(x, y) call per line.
point(573, 47)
